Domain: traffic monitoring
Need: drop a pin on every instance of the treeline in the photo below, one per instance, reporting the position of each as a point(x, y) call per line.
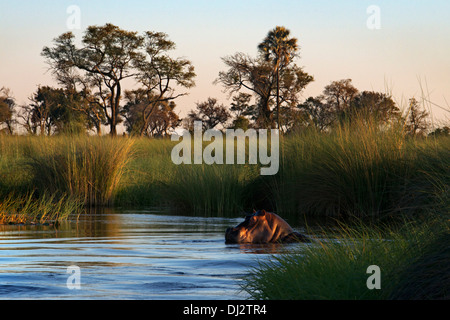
point(265, 90)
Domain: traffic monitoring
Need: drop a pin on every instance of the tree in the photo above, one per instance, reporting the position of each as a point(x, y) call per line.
point(161, 120)
point(279, 49)
point(442, 131)
point(242, 108)
point(49, 112)
point(91, 107)
point(341, 101)
point(159, 74)
point(210, 113)
point(251, 74)
point(339, 94)
point(375, 105)
point(108, 57)
point(256, 75)
point(416, 120)
point(317, 112)
point(331, 106)
point(241, 105)
point(7, 110)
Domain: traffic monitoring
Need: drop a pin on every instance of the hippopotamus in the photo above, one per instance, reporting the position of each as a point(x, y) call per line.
point(263, 227)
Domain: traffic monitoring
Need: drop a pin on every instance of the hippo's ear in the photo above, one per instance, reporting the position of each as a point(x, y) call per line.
point(254, 211)
point(262, 213)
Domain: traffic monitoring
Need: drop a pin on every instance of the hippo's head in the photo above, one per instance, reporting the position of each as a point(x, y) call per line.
point(259, 227)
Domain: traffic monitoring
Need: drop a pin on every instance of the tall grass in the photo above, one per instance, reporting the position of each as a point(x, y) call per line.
point(336, 269)
point(27, 209)
point(359, 169)
point(153, 179)
point(147, 170)
point(207, 189)
point(89, 168)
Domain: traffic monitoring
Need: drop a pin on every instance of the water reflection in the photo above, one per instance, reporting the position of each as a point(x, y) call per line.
point(126, 255)
point(130, 254)
point(266, 248)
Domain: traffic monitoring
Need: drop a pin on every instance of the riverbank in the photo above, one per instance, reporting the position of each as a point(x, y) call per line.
point(352, 171)
point(406, 263)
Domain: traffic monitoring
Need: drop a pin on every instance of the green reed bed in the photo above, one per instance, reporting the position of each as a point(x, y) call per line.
point(210, 189)
point(89, 168)
point(359, 170)
point(154, 180)
point(31, 210)
point(147, 171)
point(413, 263)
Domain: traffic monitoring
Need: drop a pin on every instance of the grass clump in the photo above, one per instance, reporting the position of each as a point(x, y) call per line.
point(360, 170)
point(88, 168)
point(31, 210)
point(206, 189)
point(336, 269)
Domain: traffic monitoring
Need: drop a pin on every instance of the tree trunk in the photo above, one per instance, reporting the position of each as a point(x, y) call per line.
point(99, 129)
point(278, 97)
point(112, 130)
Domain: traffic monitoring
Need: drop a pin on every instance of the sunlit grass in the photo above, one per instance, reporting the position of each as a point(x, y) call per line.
point(360, 170)
point(31, 210)
point(89, 168)
point(357, 169)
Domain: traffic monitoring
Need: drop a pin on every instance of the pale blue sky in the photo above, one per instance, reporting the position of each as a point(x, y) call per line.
point(409, 52)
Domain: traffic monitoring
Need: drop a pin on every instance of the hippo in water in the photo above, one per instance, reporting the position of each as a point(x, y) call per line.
point(263, 227)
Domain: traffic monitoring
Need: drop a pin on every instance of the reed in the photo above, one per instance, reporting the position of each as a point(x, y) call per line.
point(336, 269)
point(154, 180)
point(210, 189)
point(359, 170)
point(31, 210)
point(89, 168)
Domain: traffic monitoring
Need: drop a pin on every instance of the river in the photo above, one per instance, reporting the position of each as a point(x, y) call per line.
point(134, 254)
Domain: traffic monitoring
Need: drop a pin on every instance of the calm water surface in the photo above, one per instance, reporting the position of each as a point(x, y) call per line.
point(127, 255)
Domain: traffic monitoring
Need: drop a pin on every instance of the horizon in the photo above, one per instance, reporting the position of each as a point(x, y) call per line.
point(404, 54)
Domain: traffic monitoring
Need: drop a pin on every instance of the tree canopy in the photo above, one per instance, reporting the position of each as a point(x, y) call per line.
point(272, 77)
point(108, 56)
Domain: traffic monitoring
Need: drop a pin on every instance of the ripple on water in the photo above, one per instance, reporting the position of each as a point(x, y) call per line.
point(125, 256)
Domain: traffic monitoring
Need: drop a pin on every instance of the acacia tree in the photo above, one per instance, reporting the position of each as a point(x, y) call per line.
point(317, 113)
point(110, 55)
point(106, 58)
point(376, 105)
point(159, 74)
point(49, 112)
point(161, 120)
point(339, 94)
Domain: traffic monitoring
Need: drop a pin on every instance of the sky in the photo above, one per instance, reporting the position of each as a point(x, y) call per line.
point(401, 47)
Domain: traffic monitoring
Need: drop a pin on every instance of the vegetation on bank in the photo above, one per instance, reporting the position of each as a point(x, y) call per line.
point(356, 170)
point(46, 209)
point(413, 262)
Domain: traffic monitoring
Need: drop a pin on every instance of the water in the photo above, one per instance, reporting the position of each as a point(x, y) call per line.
point(127, 255)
